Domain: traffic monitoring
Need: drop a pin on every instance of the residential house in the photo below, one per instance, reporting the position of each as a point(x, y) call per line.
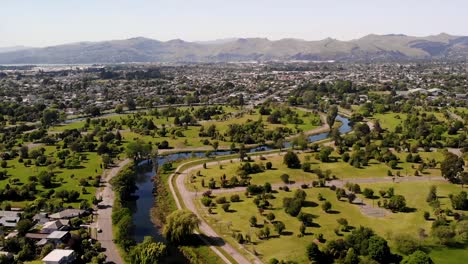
point(60, 256)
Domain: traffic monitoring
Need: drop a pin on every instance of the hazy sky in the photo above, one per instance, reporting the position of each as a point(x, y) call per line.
point(50, 22)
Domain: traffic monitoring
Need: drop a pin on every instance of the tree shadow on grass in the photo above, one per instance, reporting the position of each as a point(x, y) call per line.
point(309, 204)
point(333, 212)
point(409, 210)
point(198, 240)
point(287, 233)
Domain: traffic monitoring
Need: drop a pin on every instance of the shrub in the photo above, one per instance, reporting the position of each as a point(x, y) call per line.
point(427, 215)
point(285, 178)
point(206, 201)
point(226, 206)
point(326, 206)
point(235, 198)
point(270, 216)
point(269, 165)
point(397, 203)
point(368, 193)
point(221, 200)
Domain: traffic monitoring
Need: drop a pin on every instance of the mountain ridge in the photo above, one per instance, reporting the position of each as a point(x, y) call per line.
point(372, 47)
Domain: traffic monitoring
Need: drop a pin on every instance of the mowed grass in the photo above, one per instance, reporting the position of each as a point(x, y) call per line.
point(67, 179)
point(291, 247)
point(272, 176)
point(340, 169)
point(390, 121)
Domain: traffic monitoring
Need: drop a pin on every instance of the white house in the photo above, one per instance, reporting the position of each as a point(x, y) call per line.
point(59, 256)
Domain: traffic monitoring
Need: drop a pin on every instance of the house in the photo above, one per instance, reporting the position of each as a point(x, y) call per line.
point(56, 225)
point(67, 214)
point(40, 238)
point(9, 218)
point(59, 256)
point(59, 237)
point(9, 221)
point(41, 218)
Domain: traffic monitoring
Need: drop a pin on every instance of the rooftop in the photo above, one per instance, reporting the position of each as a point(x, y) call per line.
point(57, 234)
point(58, 254)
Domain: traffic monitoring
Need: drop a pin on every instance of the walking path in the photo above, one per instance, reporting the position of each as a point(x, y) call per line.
point(104, 220)
point(187, 200)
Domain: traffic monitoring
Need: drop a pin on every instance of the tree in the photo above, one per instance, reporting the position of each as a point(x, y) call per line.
point(270, 216)
point(179, 225)
point(418, 257)
point(279, 227)
point(226, 206)
point(397, 203)
point(324, 154)
point(332, 113)
point(138, 149)
point(451, 167)
point(253, 221)
point(459, 201)
point(378, 249)
point(292, 160)
point(50, 116)
point(131, 105)
point(23, 226)
point(368, 193)
point(351, 257)
point(24, 151)
point(147, 252)
point(464, 178)
point(313, 253)
point(45, 179)
point(432, 196)
point(444, 234)
point(119, 109)
point(326, 206)
point(285, 178)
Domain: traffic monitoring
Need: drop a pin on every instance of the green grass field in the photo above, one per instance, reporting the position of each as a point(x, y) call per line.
point(340, 169)
point(291, 247)
point(69, 179)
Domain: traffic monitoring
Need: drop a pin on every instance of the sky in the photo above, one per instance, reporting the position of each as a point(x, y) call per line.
point(41, 23)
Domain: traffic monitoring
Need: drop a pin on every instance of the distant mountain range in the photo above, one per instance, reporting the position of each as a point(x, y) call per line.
point(394, 47)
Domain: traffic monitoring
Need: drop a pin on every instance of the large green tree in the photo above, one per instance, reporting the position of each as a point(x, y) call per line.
point(147, 252)
point(451, 167)
point(138, 150)
point(292, 160)
point(180, 225)
point(332, 113)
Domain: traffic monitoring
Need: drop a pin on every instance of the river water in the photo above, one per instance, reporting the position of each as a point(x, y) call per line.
point(144, 203)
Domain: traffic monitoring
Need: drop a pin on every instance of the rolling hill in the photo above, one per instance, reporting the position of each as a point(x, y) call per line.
point(393, 47)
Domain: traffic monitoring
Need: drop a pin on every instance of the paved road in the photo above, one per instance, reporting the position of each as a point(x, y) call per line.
point(104, 221)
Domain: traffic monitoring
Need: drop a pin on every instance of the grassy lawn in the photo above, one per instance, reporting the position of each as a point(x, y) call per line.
point(390, 120)
point(292, 247)
point(68, 179)
point(340, 169)
point(271, 176)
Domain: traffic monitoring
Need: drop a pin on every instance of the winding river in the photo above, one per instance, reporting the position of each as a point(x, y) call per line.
point(144, 203)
